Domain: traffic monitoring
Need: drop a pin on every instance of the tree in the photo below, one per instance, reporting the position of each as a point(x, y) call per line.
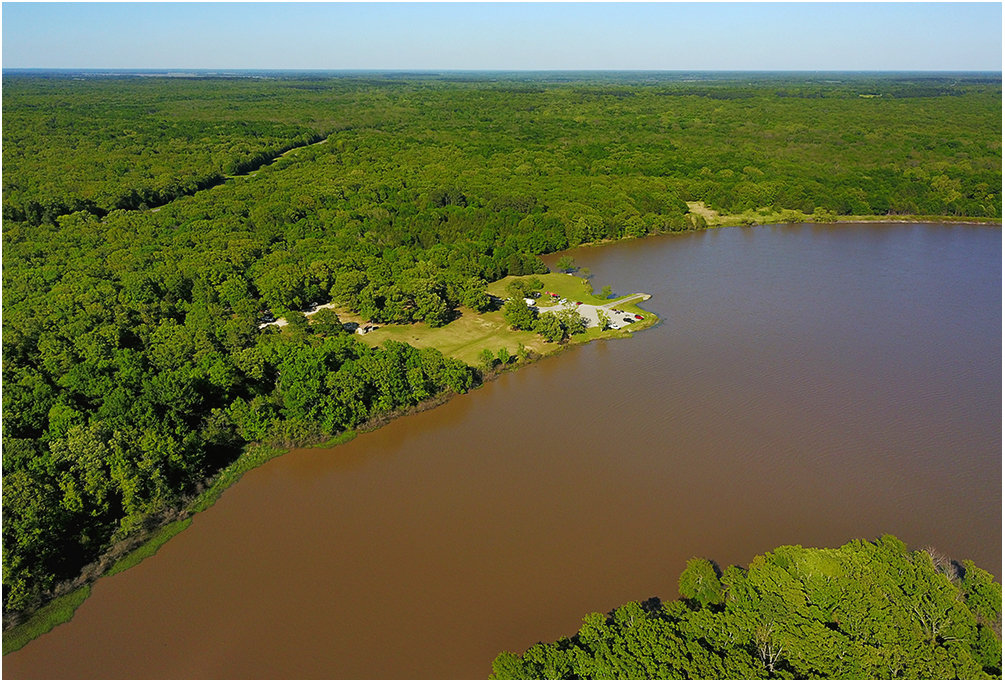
point(474, 295)
point(326, 321)
point(486, 360)
point(521, 351)
point(605, 292)
point(550, 327)
point(700, 582)
point(565, 264)
point(525, 287)
point(431, 309)
point(534, 284)
point(768, 648)
point(603, 319)
point(518, 314)
point(503, 356)
point(572, 322)
point(518, 288)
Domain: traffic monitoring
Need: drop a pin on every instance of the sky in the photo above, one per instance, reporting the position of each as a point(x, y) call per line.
point(504, 36)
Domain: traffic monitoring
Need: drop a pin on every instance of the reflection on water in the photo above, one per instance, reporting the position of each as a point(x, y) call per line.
point(809, 385)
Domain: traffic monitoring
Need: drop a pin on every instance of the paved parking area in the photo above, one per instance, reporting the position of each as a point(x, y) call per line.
point(590, 311)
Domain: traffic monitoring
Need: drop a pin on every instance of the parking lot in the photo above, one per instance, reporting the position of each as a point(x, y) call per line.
point(590, 312)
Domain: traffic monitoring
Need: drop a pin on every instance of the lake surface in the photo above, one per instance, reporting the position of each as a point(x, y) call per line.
point(809, 385)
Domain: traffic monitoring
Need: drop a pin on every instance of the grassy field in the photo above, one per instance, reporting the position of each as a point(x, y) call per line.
point(466, 337)
point(463, 338)
point(569, 286)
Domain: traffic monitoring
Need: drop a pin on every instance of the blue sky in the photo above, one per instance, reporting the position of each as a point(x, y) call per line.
point(661, 36)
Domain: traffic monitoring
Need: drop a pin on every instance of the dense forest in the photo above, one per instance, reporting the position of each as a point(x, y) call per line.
point(863, 611)
point(150, 223)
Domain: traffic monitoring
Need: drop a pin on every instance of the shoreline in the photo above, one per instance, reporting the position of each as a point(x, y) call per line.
point(22, 628)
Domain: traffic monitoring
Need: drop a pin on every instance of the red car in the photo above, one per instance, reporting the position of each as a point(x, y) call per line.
point(638, 317)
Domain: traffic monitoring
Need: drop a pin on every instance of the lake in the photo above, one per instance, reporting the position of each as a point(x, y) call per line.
point(809, 384)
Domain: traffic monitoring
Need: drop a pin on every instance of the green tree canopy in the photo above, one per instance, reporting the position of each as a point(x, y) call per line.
point(862, 611)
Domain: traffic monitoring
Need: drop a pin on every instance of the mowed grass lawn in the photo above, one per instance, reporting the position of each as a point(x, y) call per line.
point(568, 286)
point(463, 338)
point(466, 337)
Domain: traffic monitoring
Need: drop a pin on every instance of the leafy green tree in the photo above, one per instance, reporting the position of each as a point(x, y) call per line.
point(522, 351)
point(518, 314)
point(326, 321)
point(432, 309)
point(603, 319)
point(550, 327)
point(700, 583)
point(565, 264)
point(486, 360)
point(572, 322)
point(475, 296)
point(518, 288)
point(534, 284)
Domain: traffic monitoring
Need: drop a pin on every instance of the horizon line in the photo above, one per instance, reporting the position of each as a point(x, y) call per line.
point(486, 70)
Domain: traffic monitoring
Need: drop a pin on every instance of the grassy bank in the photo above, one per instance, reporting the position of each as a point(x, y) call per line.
point(766, 216)
point(59, 610)
point(152, 545)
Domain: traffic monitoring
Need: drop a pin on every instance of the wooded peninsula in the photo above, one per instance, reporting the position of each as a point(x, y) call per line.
point(153, 226)
point(863, 611)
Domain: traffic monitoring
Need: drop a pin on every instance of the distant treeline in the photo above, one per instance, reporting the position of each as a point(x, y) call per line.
point(863, 611)
point(133, 364)
point(850, 144)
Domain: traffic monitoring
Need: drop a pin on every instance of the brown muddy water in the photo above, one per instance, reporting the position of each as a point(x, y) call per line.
point(809, 385)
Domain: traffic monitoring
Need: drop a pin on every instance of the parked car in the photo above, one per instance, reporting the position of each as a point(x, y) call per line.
point(627, 320)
